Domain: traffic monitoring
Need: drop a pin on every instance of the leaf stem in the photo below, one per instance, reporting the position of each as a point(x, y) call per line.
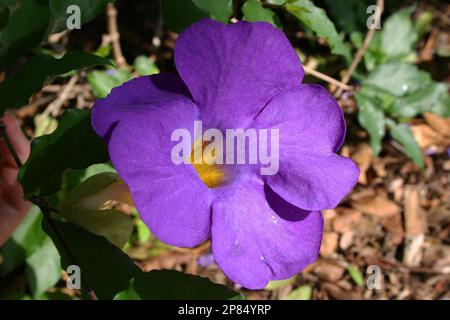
point(4, 135)
point(46, 211)
point(360, 54)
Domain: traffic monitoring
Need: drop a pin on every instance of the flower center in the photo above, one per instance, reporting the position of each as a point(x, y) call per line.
point(212, 175)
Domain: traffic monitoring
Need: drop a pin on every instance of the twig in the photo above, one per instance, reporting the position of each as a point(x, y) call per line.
point(46, 211)
point(4, 135)
point(111, 13)
point(360, 53)
point(54, 107)
point(326, 78)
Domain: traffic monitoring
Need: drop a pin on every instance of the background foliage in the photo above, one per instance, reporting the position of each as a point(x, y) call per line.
point(402, 79)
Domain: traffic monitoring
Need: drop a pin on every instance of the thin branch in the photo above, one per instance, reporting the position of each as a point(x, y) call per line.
point(360, 53)
point(4, 135)
point(326, 78)
point(54, 107)
point(113, 31)
point(46, 211)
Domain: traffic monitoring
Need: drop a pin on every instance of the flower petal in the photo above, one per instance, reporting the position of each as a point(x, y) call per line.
point(258, 237)
point(127, 97)
point(137, 120)
point(314, 182)
point(312, 128)
point(235, 69)
point(308, 118)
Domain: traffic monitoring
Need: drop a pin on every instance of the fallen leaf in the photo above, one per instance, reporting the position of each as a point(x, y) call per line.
point(346, 220)
point(379, 205)
point(329, 271)
point(329, 244)
point(427, 137)
point(415, 220)
point(363, 158)
point(440, 124)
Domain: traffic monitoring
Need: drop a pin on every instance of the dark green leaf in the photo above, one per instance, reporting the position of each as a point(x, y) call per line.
point(25, 30)
point(403, 135)
point(373, 120)
point(74, 145)
point(398, 35)
point(218, 9)
point(317, 20)
point(89, 9)
point(43, 268)
point(16, 91)
point(105, 267)
point(254, 11)
point(4, 17)
point(179, 14)
point(168, 284)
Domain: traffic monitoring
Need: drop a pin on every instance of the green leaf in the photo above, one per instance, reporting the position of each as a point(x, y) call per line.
point(16, 91)
point(277, 284)
point(398, 35)
point(403, 135)
point(114, 225)
point(356, 275)
point(218, 9)
point(43, 268)
point(105, 267)
point(173, 285)
point(73, 177)
point(317, 20)
point(430, 98)
point(25, 30)
point(424, 23)
point(23, 242)
point(74, 145)
point(4, 17)
point(373, 120)
point(143, 232)
point(179, 14)
point(102, 82)
point(89, 9)
point(276, 2)
point(44, 124)
point(145, 67)
point(253, 10)
point(301, 293)
point(83, 207)
point(398, 78)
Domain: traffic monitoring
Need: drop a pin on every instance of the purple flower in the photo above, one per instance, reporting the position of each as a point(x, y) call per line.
point(245, 75)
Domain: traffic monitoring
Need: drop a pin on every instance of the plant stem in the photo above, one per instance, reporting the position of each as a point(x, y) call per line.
point(46, 211)
point(4, 135)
